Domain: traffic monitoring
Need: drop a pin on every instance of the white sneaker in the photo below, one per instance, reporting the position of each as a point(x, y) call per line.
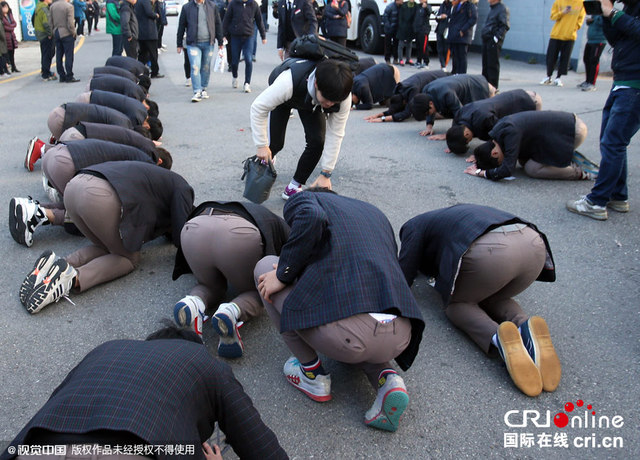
point(557, 82)
point(246, 88)
point(546, 81)
point(318, 389)
point(188, 82)
point(225, 324)
point(585, 208)
point(40, 269)
point(204, 94)
point(391, 402)
point(189, 312)
point(25, 215)
point(56, 284)
point(197, 96)
point(234, 83)
point(51, 192)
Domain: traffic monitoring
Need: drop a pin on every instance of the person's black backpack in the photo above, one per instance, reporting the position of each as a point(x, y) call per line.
point(313, 48)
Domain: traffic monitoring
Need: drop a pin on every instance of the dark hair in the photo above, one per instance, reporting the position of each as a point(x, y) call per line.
point(153, 111)
point(142, 130)
point(171, 331)
point(419, 106)
point(145, 82)
point(484, 160)
point(334, 79)
point(456, 141)
point(165, 156)
point(155, 127)
point(320, 190)
point(396, 104)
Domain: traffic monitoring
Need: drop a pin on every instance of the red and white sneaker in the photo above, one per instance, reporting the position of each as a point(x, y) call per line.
point(318, 389)
point(189, 312)
point(34, 152)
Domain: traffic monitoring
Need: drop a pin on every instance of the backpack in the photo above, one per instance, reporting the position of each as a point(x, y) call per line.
point(316, 49)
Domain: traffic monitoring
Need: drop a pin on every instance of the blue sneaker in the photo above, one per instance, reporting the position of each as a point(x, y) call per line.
point(225, 324)
point(520, 365)
point(189, 312)
point(391, 402)
point(537, 341)
point(586, 164)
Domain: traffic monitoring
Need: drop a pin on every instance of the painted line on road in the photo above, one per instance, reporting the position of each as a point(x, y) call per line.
point(36, 72)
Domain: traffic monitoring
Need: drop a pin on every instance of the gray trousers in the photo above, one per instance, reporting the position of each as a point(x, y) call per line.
point(58, 166)
point(55, 122)
point(94, 207)
point(358, 339)
point(496, 267)
point(222, 249)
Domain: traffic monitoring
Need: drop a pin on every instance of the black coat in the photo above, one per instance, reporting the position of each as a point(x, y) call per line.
point(433, 243)
point(188, 22)
point(335, 19)
point(411, 86)
point(481, 116)
point(373, 86)
point(132, 65)
point(128, 21)
point(155, 201)
point(450, 93)
point(301, 21)
point(273, 229)
point(113, 70)
point(421, 24)
point(547, 137)
point(462, 19)
point(406, 15)
point(146, 20)
point(442, 24)
point(240, 18)
point(497, 23)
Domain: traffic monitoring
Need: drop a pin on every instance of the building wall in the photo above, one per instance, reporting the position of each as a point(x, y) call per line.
point(528, 36)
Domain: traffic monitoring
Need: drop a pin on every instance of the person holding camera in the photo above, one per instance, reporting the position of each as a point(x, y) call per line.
point(620, 115)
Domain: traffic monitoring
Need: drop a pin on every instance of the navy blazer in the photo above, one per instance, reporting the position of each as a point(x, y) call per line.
point(303, 20)
point(342, 256)
point(164, 392)
point(373, 86)
point(450, 93)
point(147, 29)
point(462, 19)
point(434, 242)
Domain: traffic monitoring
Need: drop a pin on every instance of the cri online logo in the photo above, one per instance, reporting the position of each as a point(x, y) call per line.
point(521, 419)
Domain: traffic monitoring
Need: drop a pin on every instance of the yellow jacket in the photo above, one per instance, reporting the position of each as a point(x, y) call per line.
point(567, 25)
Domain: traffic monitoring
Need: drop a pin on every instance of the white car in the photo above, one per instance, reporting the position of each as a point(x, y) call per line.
point(173, 7)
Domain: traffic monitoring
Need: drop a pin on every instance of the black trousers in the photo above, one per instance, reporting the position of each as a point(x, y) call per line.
point(148, 52)
point(562, 48)
point(443, 50)
point(459, 57)
point(390, 47)
point(47, 51)
point(117, 45)
point(130, 47)
point(79, 26)
point(491, 61)
point(314, 124)
point(64, 49)
point(592, 53)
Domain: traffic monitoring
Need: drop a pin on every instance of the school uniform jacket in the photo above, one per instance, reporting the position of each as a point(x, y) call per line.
point(481, 116)
point(117, 84)
point(113, 70)
point(301, 18)
point(131, 107)
point(450, 93)
point(342, 256)
point(155, 201)
point(373, 86)
point(547, 137)
point(273, 229)
point(76, 112)
point(411, 86)
point(87, 152)
point(132, 65)
point(117, 134)
point(433, 243)
point(163, 392)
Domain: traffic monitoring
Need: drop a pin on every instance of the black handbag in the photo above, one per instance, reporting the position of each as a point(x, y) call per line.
point(260, 177)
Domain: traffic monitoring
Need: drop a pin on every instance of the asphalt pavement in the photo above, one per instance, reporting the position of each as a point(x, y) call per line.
point(463, 404)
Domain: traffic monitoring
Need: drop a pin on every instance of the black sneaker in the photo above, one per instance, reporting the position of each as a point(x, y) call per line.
point(72, 80)
point(40, 269)
point(56, 284)
point(25, 215)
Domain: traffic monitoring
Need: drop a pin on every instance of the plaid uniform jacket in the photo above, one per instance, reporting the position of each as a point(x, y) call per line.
point(343, 254)
point(163, 391)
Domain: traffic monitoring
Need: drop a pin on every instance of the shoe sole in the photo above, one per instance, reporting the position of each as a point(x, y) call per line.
point(521, 368)
point(182, 315)
point(43, 263)
point(618, 208)
point(27, 158)
point(39, 297)
point(231, 347)
point(17, 227)
point(588, 214)
point(394, 404)
point(310, 395)
point(548, 361)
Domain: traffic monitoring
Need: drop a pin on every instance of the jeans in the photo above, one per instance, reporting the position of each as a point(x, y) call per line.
point(200, 56)
point(620, 122)
point(244, 44)
point(117, 45)
point(46, 56)
point(64, 48)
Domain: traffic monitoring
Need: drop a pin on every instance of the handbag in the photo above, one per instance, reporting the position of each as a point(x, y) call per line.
point(221, 61)
point(260, 177)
